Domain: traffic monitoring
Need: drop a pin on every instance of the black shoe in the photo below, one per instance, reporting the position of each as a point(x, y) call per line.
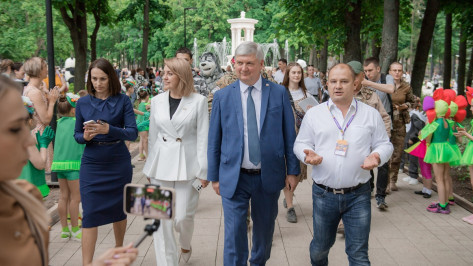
point(427, 196)
point(419, 192)
point(132, 166)
point(291, 215)
point(380, 203)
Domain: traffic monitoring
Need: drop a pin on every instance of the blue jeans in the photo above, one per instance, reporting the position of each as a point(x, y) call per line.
point(354, 209)
point(264, 210)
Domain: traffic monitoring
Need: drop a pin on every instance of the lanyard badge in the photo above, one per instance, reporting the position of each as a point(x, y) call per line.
point(341, 146)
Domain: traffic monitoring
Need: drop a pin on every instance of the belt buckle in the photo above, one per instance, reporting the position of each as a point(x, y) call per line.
point(338, 191)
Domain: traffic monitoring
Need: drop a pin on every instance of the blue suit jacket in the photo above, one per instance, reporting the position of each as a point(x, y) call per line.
point(277, 136)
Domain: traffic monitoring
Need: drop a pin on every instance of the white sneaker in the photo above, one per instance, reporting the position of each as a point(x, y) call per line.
point(413, 181)
point(406, 179)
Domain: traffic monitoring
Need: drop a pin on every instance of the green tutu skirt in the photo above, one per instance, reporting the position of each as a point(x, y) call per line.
point(467, 158)
point(143, 126)
point(458, 154)
point(440, 152)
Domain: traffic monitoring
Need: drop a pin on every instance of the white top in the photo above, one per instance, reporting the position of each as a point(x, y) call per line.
point(279, 76)
point(365, 135)
point(297, 94)
point(256, 94)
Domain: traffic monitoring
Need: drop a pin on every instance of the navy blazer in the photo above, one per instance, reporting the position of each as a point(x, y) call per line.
point(277, 136)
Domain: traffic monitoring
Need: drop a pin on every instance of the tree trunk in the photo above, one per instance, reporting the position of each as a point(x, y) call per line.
point(77, 25)
point(353, 28)
point(462, 61)
point(93, 37)
point(411, 45)
point(324, 56)
point(390, 34)
point(447, 54)
point(144, 52)
point(469, 74)
point(423, 45)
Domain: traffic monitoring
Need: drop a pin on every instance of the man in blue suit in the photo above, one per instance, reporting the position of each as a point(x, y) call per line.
point(250, 155)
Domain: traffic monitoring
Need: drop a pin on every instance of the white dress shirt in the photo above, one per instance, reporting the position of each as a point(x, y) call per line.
point(365, 135)
point(278, 76)
point(256, 94)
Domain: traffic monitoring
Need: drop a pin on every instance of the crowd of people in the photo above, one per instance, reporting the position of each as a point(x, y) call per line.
point(259, 131)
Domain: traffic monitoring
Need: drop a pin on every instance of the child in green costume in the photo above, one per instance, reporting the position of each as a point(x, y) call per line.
point(66, 163)
point(439, 151)
point(33, 171)
point(142, 121)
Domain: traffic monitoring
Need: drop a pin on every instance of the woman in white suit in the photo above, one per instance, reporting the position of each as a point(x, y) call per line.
point(178, 131)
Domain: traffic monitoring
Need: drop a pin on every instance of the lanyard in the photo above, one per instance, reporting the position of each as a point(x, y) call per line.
point(349, 121)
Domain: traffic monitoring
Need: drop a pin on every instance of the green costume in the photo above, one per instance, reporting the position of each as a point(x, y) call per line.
point(67, 152)
point(467, 158)
point(35, 177)
point(142, 121)
point(453, 142)
point(439, 150)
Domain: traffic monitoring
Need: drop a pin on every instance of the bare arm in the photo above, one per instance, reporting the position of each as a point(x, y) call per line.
point(37, 158)
point(387, 88)
point(44, 110)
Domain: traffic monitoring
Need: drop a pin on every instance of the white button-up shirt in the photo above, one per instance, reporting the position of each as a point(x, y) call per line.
point(256, 94)
point(365, 135)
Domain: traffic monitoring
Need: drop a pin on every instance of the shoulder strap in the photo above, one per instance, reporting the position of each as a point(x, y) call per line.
point(383, 78)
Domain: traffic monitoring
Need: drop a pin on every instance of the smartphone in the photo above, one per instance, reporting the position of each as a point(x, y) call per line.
point(149, 201)
point(90, 122)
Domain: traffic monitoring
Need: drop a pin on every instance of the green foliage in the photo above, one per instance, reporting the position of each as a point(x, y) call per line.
point(23, 31)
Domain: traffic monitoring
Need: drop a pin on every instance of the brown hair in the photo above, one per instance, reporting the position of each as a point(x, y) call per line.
point(184, 50)
point(7, 83)
point(113, 81)
point(285, 82)
point(63, 106)
point(33, 66)
point(370, 60)
point(182, 69)
point(142, 94)
point(5, 64)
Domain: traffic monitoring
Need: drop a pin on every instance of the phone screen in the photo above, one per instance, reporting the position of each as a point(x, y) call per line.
point(149, 201)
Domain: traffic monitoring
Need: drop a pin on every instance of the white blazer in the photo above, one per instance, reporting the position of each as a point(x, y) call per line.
point(178, 146)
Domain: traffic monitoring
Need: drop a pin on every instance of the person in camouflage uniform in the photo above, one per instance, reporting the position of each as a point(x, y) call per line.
point(402, 100)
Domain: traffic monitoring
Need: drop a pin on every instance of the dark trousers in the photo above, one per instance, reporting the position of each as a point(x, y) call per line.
point(413, 166)
point(382, 181)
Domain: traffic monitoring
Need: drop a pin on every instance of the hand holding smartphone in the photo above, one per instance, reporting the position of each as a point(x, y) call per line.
point(149, 201)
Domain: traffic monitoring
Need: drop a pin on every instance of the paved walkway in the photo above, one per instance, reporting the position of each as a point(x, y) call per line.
point(405, 234)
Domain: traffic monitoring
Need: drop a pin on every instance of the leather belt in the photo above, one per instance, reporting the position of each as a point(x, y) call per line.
point(340, 190)
point(105, 143)
point(250, 171)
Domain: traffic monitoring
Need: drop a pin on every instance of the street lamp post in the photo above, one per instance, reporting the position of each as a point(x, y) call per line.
point(185, 26)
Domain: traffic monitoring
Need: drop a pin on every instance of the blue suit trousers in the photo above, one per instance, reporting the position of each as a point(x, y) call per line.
point(264, 209)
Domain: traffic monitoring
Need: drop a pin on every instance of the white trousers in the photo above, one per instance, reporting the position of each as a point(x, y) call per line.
point(165, 244)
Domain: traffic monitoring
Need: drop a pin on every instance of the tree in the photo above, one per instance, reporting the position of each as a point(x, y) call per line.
point(353, 28)
point(462, 61)
point(423, 45)
point(102, 13)
point(447, 54)
point(73, 13)
point(390, 34)
point(147, 8)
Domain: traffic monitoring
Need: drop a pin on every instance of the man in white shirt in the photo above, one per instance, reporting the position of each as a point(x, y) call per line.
point(343, 139)
point(279, 76)
point(312, 83)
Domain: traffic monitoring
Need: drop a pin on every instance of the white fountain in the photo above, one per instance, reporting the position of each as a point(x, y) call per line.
point(286, 50)
point(247, 25)
point(220, 49)
point(196, 53)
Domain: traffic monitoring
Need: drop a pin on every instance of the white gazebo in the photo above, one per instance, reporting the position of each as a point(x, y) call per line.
point(239, 24)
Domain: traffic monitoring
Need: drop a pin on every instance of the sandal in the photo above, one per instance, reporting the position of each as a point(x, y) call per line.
point(142, 157)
